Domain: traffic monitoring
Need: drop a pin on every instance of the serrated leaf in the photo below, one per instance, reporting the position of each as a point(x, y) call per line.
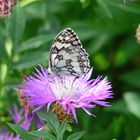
point(132, 100)
point(43, 134)
point(76, 136)
point(16, 24)
point(34, 42)
point(31, 60)
point(20, 131)
point(50, 118)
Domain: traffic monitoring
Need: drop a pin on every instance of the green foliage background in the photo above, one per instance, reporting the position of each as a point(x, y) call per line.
point(106, 29)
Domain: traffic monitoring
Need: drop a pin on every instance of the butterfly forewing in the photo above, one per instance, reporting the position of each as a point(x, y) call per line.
point(67, 56)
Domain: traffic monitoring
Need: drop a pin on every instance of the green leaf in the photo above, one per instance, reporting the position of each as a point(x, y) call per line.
point(20, 131)
point(125, 51)
point(3, 72)
point(76, 136)
point(68, 127)
point(32, 10)
point(133, 7)
point(132, 100)
point(2, 47)
point(85, 3)
point(34, 42)
point(61, 130)
point(98, 43)
point(104, 8)
point(116, 127)
point(16, 24)
point(83, 30)
point(119, 106)
point(132, 77)
point(102, 61)
point(51, 119)
point(43, 134)
point(31, 60)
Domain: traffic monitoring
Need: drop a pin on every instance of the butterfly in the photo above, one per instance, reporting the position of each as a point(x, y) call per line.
point(67, 56)
point(6, 7)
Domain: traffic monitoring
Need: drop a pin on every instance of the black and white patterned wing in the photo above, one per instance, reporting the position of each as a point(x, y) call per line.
point(67, 56)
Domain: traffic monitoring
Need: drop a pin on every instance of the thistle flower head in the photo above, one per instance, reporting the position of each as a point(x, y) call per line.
point(6, 7)
point(69, 92)
point(138, 34)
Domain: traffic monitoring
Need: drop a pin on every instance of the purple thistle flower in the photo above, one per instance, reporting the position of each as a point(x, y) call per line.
point(70, 92)
point(16, 116)
point(4, 135)
point(25, 118)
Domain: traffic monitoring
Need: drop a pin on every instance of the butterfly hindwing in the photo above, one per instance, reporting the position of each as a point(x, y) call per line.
point(67, 56)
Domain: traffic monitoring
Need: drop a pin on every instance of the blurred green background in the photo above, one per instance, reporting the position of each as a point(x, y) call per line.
point(106, 29)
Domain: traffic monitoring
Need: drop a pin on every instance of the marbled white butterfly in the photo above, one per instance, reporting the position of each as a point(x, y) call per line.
point(67, 56)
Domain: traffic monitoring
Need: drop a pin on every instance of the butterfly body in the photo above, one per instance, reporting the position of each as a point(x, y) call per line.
point(67, 56)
